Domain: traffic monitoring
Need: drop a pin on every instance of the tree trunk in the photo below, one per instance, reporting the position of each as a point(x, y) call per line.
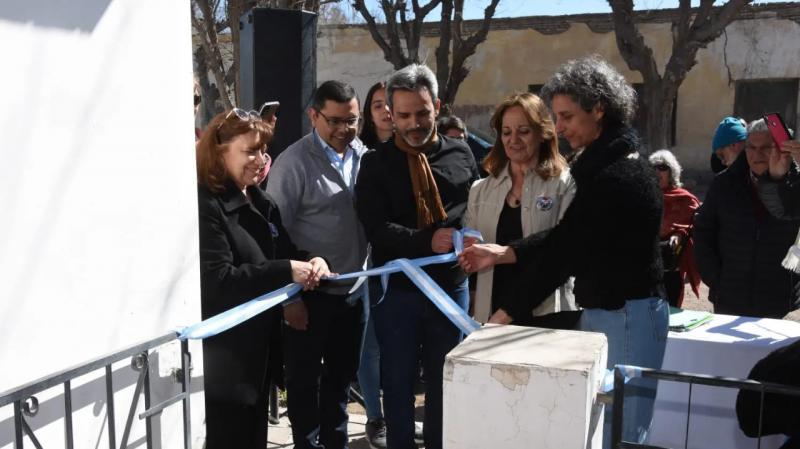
point(658, 100)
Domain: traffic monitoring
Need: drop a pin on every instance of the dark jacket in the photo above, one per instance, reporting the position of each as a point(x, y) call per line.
point(739, 246)
point(387, 209)
point(608, 238)
point(244, 252)
point(781, 197)
point(781, 412)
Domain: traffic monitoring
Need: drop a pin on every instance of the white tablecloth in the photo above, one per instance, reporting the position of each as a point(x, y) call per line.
point(727, 346)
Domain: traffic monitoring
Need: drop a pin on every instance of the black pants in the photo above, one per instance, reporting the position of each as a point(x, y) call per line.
point(230, 425)
point(321, 361)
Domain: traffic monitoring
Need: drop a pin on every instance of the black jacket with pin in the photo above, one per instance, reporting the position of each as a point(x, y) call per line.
point(608, 238)
point(244, 253)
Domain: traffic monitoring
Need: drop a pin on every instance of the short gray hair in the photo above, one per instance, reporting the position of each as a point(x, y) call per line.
point(757, 126)
point(413, 78)
point(592, 80)
point(665, 157)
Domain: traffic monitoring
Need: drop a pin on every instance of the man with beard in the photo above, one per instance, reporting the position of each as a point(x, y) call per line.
point(411, 195)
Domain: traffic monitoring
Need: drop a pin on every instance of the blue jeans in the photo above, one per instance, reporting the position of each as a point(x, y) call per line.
point(407, 322)
point(369, 371)
point(637, 335)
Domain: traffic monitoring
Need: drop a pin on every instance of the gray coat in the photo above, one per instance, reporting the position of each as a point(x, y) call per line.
point(317, 209)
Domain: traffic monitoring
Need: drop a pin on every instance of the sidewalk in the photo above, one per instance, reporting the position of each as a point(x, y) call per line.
point(280, 435)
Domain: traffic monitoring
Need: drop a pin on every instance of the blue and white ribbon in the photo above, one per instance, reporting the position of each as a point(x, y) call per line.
point(239, 314)
point(410, 267)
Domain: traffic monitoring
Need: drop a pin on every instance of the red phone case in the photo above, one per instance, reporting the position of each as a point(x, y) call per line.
point(777, 128)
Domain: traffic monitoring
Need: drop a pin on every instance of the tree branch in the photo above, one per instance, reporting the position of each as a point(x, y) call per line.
point(631, 43)
point(372, 26)
point(443, 50)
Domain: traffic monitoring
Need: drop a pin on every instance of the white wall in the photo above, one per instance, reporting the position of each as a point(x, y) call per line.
point(98, 240)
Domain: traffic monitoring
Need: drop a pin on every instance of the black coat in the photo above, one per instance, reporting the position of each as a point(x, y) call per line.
point(781, 412)
point(739, 246)
point(608, 238)
point(244, 252)
point(387, 208)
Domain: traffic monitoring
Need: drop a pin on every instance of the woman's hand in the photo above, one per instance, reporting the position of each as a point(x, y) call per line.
point(319, 269)
point(296, 315)
point(481, 256)
point(309, 273)
point(500, 317)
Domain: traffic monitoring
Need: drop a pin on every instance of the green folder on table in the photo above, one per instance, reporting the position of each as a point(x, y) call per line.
point(685, 320)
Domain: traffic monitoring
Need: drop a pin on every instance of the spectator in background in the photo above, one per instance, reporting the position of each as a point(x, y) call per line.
point(377, 127)
point(739, 245)
point(528, 190)
point(728, 143)
point(452, 126)
point(780, 193)
point(677, 244)
point(244, 252)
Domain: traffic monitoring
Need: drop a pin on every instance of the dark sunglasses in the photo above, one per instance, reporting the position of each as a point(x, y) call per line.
point(661, 167)
point(197, 100)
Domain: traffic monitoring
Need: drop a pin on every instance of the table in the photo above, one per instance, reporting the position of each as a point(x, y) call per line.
point(727, 346)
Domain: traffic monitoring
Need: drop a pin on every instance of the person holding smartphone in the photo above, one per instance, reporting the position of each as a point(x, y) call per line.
point(739, 245)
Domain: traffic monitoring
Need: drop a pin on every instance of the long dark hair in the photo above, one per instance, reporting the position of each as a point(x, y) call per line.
point(369, 136)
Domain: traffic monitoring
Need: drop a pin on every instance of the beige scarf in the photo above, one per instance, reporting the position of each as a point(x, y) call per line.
point(426, 194)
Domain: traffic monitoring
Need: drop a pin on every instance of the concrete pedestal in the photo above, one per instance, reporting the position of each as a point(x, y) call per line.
point(511, 387)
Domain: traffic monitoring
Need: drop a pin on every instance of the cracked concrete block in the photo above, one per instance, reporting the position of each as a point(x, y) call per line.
point(511, 387)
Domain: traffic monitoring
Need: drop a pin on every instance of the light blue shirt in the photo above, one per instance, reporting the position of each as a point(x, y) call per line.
point(346, 165)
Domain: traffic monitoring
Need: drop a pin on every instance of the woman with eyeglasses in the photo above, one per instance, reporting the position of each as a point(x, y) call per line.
point(677, 246)
point(244, 252)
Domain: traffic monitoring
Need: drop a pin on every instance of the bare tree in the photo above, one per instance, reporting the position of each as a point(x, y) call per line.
point(692, 29)
point(402, 32)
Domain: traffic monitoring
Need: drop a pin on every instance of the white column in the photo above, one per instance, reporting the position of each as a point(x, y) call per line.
point(519, 387)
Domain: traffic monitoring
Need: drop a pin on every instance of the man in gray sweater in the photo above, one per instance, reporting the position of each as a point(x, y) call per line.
point(312, 183)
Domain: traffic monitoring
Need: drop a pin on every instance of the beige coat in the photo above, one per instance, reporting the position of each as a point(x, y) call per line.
point(486, 199)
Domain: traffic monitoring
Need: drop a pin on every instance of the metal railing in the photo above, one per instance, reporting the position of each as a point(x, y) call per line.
point(691, 379)
point(25, 403)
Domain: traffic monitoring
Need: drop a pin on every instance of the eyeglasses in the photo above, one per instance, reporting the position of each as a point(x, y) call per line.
point(348, 123)
point(241, 114)
point(661, 167)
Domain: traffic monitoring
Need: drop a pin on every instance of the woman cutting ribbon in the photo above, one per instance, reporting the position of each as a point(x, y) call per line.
point(244, 252)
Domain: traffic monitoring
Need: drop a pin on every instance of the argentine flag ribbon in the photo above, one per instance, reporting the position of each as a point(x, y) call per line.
point(410, 267)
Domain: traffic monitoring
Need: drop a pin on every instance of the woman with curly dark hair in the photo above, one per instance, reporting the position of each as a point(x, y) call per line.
point(608, 238)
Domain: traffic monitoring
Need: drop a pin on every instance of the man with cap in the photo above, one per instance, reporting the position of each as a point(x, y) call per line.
point(728, 143)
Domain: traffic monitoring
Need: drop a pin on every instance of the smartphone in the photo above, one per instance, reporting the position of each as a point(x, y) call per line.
point(269, 109)
point(777, 128)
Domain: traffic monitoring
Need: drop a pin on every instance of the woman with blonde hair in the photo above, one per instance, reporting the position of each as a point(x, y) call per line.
point(527, 191)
